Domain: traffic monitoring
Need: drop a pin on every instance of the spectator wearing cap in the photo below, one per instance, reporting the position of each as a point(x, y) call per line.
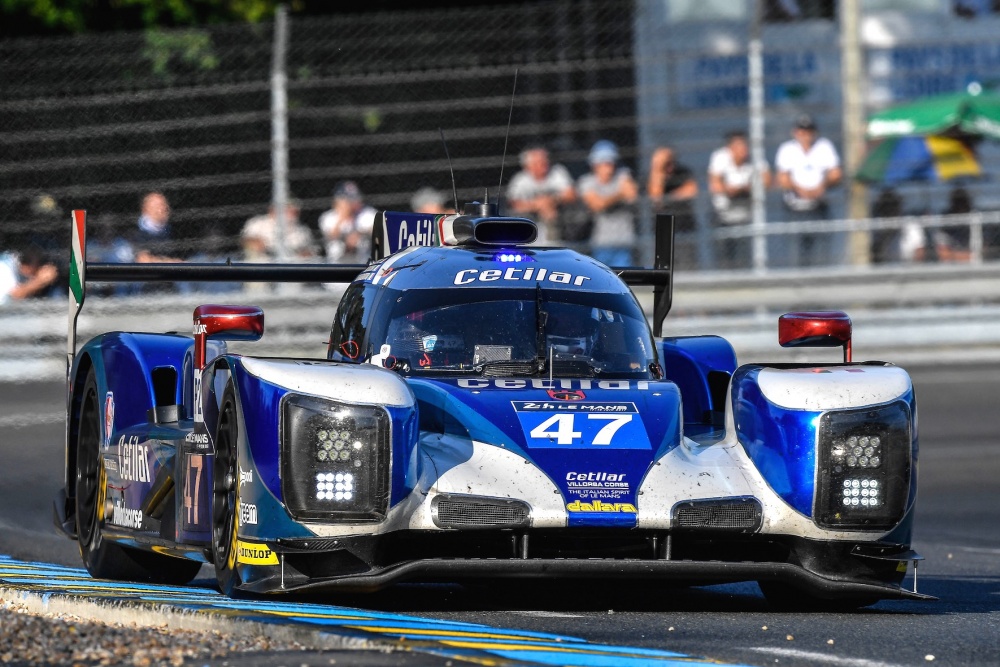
point(429, 200)
point(609, 192)
point(541, 190)
point(347, 226)
point(807, 166)
point(259, 237)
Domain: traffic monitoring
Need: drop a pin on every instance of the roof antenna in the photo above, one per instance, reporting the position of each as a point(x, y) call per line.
point(510, 116)
point(454, 188)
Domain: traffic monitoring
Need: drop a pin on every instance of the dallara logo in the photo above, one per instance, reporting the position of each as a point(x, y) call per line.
point(598, 506)
point(255, 554)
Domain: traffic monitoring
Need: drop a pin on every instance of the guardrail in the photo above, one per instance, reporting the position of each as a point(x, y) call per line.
point(980, 241)
point(901, 313)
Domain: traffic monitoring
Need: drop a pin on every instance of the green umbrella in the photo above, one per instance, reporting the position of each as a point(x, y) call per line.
point(953, 114)
point(905, 159)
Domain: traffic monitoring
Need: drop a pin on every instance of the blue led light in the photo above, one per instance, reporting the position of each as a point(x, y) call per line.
point(508, 257)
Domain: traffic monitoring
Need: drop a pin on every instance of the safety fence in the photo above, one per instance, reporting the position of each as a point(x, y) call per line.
point(97, 121)
point(924, 313)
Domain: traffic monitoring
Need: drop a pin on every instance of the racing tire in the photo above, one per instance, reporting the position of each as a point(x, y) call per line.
point(102, 558)
point(225, 496)
point(784, 597)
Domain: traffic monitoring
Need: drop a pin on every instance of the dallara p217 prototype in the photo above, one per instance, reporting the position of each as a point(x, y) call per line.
point(486, 410)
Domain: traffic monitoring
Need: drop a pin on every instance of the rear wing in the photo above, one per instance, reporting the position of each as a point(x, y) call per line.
point(391, 233)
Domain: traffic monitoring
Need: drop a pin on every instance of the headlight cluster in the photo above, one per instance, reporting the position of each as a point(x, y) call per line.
point(862, 451)
point(863, 467)
point(335, 460)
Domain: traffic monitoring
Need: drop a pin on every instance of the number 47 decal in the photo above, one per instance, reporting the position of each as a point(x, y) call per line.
point(560, 428)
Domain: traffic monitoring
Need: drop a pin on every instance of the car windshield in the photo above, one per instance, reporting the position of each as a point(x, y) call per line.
point(515, 332)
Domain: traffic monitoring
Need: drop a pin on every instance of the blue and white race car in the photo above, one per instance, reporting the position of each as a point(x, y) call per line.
point(486, 409)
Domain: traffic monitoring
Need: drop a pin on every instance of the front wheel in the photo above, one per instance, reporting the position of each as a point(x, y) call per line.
point(225, 495)
point(102, 558)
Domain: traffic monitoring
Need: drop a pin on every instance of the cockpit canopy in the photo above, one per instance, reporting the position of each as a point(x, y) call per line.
point(511, 332)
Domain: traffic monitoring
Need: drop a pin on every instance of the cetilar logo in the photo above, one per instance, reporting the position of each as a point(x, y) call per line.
point(422, 234)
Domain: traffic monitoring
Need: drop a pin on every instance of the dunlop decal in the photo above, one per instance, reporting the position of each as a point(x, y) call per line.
point(250, 553)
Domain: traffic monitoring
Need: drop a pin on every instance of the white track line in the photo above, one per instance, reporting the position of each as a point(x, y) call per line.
point(548, 614)
point(31, 419)
point(816, 657)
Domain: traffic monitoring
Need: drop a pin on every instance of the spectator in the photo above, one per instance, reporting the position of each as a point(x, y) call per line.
point(730, 180)
point(959, 203)
point(915, 247)
point(807, 166)
point(541, 191)
point(672, 189)
point(609, 193)
point(154, 222)
point(47, 223)
point(886, 242)
point(259, 237)
point(347, 226)
point(108, 243)
point(27, 275)
point(430, 201)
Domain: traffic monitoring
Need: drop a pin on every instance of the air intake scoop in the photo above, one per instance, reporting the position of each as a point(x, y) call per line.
point(489, 231)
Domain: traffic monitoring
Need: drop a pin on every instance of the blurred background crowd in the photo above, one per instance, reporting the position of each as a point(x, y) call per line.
point(623, 110)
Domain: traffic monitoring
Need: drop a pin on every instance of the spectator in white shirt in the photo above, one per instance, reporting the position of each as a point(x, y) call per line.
point(347, 226)
point(260, 236)
point(730, 181)
point(541, 191)
point(807, 166)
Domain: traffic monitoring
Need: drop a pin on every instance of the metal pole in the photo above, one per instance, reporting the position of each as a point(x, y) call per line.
point(279, 130)
point(852, 83)
point(976, 239)
point(755, 57)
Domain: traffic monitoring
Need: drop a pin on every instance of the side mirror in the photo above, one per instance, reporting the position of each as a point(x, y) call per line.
point(816, 329)
point(224, 323)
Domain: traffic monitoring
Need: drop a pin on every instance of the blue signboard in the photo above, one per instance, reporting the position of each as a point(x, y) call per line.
point(405, 230)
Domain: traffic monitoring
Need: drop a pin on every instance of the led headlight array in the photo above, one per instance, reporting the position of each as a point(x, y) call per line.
point(334, 486)
point(334, 459)
point(859, 451)
point(863, 467)
point(864, 492)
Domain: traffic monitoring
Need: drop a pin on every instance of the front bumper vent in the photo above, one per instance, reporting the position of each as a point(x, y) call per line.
point(735, 514)
point(464, 512)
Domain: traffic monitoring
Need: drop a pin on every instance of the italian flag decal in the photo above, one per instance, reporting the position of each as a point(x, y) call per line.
point(76, 257)
point(77, 279)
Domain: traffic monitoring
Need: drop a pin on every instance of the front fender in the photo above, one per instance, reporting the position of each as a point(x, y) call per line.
point(260, 386)
point(778, 414)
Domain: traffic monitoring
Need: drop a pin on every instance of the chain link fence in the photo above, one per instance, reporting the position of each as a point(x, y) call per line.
point(99, 121)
